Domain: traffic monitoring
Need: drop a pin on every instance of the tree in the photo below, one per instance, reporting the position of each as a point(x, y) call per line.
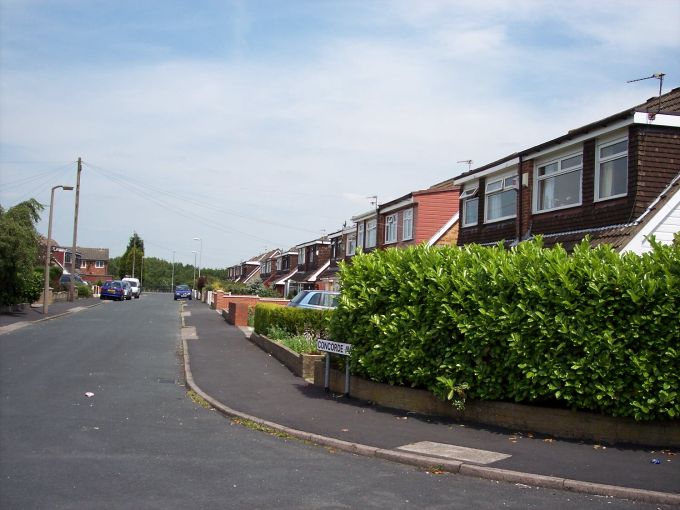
point(131, 261)
point(19, 253)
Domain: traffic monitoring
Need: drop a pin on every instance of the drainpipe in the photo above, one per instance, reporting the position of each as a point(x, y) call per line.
point(519, 201)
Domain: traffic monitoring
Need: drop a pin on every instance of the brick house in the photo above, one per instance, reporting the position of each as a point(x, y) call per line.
point(94, 264)
point(268, 267)
point(342, 249)
point(312, 260)
point(419, 217)
point(608, 180)
point(286, 266)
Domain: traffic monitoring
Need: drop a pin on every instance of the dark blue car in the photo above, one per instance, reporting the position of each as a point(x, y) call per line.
point(113, 290)
point(182, 292)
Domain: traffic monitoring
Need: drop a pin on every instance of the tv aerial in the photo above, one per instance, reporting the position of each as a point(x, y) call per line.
point(657, 76)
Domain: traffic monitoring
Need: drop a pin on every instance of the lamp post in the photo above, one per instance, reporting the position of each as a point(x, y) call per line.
point(194, 286)
point(48, 255)
point(200, 254)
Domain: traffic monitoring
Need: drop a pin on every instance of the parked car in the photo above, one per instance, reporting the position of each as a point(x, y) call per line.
point(136, 289)
point(316, 299)
point(182, 292)
point(66, 279)
point(113, 290)
point(127, 289)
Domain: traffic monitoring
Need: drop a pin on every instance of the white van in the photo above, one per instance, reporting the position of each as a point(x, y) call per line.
point(136, 289)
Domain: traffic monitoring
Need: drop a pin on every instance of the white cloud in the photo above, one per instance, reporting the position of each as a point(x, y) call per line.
point(301, 142)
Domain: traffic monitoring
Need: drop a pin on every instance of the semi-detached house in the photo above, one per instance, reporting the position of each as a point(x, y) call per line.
point(614, 180)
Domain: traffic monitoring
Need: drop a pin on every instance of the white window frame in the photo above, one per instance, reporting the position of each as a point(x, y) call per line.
point(360, 235)
point(502, 183)
point(351, 245)
point(538, 179)
point(600, 160)
point(83, 264)
point(99, 264)
point(371, 233)
point(279, 262)
point(391, 228)
point(407, 225)
point(67, 257)
point(301, 256)
point(469, 197)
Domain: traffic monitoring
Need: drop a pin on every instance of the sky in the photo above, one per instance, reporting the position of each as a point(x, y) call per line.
point(262, 124)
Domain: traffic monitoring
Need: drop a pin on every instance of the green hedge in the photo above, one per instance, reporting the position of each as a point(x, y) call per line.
point(591, 330)
point(297, 321)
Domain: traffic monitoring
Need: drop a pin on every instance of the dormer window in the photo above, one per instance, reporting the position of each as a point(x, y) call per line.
point(558, 183)
point(501, 197)
point(611, 176)
point(470, 204)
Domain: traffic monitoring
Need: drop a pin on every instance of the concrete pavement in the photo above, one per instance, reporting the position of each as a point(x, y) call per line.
point(242, 381)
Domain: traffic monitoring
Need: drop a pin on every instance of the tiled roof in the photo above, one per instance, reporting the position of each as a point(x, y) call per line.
point(93, 253)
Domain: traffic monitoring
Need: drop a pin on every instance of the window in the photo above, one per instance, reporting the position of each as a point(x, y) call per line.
point(371, 233)
point(407, 228)
point(301, 256)
point(501, 197)
point(83, 264)
point(611, 178)
point(391, 228)
point(99, 264)
point(559, 183)
point(67, 258)
point(351, 245)
point(470, 203)
point(278, 263)
point(360, 235)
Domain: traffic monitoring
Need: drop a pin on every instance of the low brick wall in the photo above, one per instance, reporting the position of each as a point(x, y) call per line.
point(302, 365)
point(553, 422)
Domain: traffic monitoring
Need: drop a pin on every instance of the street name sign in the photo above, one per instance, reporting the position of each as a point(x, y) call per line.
point(333, 347)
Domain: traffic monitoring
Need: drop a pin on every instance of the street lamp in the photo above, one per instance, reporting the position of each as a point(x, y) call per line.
point(46, 288)
point(194, 286)
point(200, 254)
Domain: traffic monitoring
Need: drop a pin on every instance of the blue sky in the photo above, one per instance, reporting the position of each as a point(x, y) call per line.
point(263, 124)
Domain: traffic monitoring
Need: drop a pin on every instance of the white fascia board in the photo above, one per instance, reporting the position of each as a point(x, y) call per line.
point(364, 216)
point(285, 278)
point(319, 271)
point(433, 240)
point(312, 243)
point(494, 169)
point(659, 119)
point(398, 205)
point(578, 139)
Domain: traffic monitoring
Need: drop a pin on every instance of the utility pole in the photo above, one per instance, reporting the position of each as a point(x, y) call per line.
point(72, 285)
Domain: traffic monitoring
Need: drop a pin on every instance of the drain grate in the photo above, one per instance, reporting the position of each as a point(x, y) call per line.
point(164, 380)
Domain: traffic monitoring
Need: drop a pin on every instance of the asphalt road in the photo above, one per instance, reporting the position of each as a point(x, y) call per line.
point(138, 441)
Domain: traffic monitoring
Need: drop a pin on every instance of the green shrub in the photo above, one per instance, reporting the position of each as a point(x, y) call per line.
point(590, 330)
point(296, 321)
point(84, 291)
point(302, 344)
